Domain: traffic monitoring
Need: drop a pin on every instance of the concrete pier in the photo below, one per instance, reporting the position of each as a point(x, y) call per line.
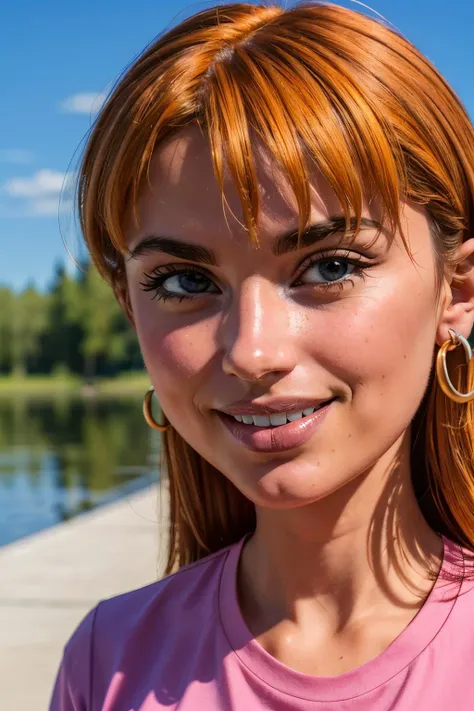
point(48, 582)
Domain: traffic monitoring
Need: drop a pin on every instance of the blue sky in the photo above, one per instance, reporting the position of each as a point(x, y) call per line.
point(58, 56)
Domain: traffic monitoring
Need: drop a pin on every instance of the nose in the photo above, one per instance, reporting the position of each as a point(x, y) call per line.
point(256, 333)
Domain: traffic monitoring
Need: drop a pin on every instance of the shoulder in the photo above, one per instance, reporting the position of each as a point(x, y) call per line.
point(71, 690)
point(184, 590)
point(122, 626)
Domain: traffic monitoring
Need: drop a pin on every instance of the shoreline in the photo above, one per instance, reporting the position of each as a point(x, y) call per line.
point(31, 386)
point(114, 496)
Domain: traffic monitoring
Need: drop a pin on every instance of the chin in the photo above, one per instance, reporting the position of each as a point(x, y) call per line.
point(288, 485)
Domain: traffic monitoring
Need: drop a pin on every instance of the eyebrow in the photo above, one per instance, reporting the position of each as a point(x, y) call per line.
point(283, 244)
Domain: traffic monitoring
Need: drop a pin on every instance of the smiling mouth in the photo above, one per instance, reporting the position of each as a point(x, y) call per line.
point(277, 419)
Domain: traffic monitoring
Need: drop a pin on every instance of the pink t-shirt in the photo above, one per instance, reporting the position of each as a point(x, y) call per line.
point(181, 643)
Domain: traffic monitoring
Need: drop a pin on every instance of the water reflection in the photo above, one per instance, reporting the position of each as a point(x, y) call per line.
point(61, 457)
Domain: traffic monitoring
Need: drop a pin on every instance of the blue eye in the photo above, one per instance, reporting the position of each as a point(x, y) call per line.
point(187, 283)
point(171, 282)
point(327, 270)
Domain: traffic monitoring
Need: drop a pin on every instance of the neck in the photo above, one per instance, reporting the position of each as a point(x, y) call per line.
point(365, 545)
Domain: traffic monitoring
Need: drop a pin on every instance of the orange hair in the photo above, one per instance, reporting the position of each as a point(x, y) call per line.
point(318, 84)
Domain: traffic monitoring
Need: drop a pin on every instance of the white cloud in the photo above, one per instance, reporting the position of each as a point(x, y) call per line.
point(48, 206)
point(86, 103)
point(17, 156)
point(43, 183)
point(38, 195)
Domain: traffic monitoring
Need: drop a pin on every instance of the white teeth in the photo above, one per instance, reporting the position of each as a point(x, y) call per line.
point(261, 421)
point(292, 416)
point(276, 420)
point(279, 419)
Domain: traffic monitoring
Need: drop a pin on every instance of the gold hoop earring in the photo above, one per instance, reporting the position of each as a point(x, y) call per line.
point(442, 369)
point(147, 413)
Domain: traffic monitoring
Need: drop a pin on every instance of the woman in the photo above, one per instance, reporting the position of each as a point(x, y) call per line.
point(282, 201)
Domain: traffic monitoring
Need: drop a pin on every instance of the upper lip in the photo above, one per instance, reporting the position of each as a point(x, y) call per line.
point(269, 407)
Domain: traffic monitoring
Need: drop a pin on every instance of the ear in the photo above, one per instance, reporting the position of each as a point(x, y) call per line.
point(458, 296)
point(123, 297)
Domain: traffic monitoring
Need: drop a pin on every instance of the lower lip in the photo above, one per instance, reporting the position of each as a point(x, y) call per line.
point(276, 439)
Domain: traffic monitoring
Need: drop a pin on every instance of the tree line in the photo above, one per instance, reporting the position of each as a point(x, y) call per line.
point(76, 326)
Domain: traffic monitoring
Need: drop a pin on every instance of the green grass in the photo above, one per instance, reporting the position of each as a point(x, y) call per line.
point(124, 384)
point(43, 385)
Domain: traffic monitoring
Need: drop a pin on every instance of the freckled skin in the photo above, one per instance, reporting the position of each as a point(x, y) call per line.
point(369, 343)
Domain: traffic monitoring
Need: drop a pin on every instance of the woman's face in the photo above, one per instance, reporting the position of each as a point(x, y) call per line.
point(346, 326)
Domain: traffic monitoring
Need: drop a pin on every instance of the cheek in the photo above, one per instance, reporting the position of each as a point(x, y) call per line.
point(382, 343)
point(174, 356)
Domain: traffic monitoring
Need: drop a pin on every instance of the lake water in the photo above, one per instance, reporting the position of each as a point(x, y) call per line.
point(64, 456)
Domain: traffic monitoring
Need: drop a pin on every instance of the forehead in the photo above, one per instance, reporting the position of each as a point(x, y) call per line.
point(182, 196)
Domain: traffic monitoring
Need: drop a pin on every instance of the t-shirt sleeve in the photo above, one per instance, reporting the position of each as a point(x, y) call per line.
point(72, 688)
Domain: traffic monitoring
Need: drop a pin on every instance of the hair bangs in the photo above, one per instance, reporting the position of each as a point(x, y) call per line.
point(310, 115)
point(294, 91)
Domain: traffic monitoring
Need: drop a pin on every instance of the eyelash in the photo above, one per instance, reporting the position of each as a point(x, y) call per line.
point(154, 281)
